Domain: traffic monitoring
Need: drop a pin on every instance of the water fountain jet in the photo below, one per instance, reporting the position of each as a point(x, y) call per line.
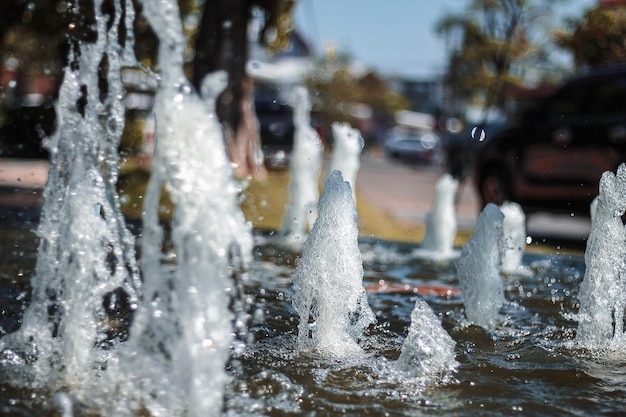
point(305, 167)
point(478, 269)
point(514, 238)
point(428, 351)
point(84, 254)
point(441, 223)
point(330, 297)
point(601, 294)
point(347, 147)
point(174, 360)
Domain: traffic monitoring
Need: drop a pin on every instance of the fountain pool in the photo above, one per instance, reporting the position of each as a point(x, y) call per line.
point(211, 327)
point(523, 366)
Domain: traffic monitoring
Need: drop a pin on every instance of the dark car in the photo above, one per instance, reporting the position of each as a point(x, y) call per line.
point(552, 160)
point(276, 127)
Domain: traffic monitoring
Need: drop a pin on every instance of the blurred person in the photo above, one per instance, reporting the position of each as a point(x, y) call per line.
point(222, 44)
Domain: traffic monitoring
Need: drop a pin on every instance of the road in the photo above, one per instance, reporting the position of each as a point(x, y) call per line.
point(407, 193)
point(401, 191)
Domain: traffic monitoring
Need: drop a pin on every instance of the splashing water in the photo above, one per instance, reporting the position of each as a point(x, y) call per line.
point(305, 167)
point(180, 339)
point(85, 255)
point(440, 222)
point(347, 147)
point(478, 269)
point(428, 350)
point(601, 294)
point(330, 297)
point(514, 240)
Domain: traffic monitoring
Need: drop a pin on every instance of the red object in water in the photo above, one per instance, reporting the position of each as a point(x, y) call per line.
point(420, 289)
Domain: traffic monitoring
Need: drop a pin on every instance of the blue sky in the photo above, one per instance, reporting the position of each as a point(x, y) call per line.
point(405, 44)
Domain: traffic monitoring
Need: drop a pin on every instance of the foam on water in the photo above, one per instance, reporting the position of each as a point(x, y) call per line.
point(514, 240)
point(441, 222)
point(478, 269)
point(86, 253)
point(347, 146)
point(329, 293)
point(174, 360)
point(305, 167)
point(601, 295)
point(428, 350)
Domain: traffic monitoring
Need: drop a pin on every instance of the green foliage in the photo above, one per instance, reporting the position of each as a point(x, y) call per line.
point(34, 33)
point(335, 90)
point(491, 46)
point(599, 37)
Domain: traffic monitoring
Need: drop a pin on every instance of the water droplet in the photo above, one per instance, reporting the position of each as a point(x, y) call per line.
point(478, 133)
point(529, 240)
point(71, 26)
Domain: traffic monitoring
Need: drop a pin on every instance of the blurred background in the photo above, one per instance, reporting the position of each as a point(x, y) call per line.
point(426, 83)
point(447, 59)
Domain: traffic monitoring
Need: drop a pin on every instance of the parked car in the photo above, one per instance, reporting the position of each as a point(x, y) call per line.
point(553, 158)
point(413, 145)
point(460, 146)
point(276, 127)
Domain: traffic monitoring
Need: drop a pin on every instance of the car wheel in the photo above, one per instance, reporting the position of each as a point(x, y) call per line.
point(494, 187)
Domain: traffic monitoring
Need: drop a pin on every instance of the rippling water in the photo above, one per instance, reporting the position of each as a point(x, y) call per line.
point(523, 366)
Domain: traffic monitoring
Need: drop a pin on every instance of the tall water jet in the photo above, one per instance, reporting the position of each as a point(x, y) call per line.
point(305, 167)
point(174, 360)
point(514, 237)
point(347, 146)
point(478, 268)
point(330, 297)
point(428, 350)
point(601, 294)
point(86, 259)
point(441, 221)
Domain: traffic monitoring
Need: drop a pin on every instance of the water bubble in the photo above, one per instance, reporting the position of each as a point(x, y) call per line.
point(529, 240)
point(186, 89)
point(478, 133)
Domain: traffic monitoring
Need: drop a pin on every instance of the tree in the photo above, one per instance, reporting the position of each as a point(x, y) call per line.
point(336, 90)
point(599, 37)
point(492, 44)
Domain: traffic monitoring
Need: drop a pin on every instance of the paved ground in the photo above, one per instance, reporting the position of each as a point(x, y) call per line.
point(404, 192)
point(407, 194)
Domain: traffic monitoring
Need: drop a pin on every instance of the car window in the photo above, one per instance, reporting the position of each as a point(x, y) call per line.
point(609, 97)
point(570, 101)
